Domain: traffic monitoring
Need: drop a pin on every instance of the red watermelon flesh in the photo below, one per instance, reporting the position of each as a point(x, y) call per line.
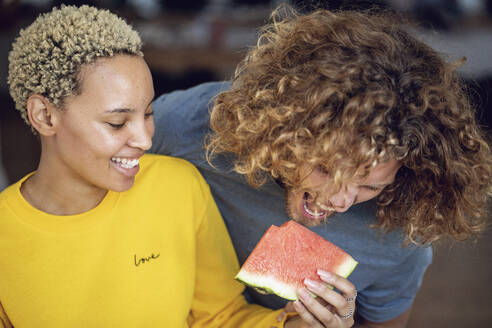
point(288, 254)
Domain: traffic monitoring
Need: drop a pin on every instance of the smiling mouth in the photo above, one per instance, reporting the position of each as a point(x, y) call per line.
point(314, 210)
point(125, 162)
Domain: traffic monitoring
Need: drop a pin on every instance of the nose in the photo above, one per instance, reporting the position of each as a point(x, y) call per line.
point(141, 137)
point(344, 198)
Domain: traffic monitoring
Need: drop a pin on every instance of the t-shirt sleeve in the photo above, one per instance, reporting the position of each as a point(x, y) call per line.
point(218, 299)
point(395, 292)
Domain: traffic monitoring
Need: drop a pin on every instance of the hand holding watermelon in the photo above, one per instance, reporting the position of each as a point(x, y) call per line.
point(329, 308)
point(290, 258)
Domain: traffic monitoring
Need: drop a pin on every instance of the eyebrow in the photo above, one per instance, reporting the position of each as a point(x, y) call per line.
point(127, 110)
point(120, 110)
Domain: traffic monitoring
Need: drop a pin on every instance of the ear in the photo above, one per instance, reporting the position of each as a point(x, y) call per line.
point(42, 114)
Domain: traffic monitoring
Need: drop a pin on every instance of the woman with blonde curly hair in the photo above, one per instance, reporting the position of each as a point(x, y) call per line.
point(101, 235)
point(346, 123)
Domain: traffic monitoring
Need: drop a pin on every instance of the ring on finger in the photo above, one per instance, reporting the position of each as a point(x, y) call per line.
point(350, 314)
point(351, 299)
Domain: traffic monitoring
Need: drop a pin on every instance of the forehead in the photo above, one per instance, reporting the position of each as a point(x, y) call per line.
point(120, 72)
point(121, 81)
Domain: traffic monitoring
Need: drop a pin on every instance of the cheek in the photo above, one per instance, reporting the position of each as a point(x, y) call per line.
point(72, 138)
point(315, 181)
point(97, 142)
point(324, 185)
point(367, 195)
point(108, 142)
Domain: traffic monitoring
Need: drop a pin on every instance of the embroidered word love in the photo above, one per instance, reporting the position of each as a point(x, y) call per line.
point(142, 260)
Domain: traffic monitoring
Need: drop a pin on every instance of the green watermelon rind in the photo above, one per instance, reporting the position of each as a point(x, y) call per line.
point(271, 285)
point(347, 267)
point(268, 284)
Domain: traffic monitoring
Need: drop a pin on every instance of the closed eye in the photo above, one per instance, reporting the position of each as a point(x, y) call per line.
point(322, 169)
point(116, 126)
point(374, 188)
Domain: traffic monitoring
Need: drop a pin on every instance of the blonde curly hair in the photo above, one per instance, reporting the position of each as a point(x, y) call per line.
point(338, 90)
point(47, 56)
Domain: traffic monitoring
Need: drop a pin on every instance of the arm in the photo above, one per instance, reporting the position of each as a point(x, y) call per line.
point(218, 300)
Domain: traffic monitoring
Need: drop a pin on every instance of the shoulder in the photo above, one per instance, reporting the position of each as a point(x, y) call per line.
point(168, 167)
point(11, 200)
point(170, 173)
point(172, 179)
point(182, 120)
point(12, 191)
point(195, 98)
point(4, 195)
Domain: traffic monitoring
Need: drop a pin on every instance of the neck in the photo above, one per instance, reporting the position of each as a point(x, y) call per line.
point(51, 191)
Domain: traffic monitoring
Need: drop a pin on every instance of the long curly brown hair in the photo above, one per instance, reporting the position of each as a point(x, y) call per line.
point(341, 89)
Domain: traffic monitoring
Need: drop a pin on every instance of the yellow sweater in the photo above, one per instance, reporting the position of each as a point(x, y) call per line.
point(157, 255)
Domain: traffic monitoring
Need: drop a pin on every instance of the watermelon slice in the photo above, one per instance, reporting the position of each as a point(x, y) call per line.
point(288, 254)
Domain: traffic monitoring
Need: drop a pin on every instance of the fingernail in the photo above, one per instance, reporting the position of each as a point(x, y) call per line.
point(311, 283)
point(303, 294)
point(325, 275)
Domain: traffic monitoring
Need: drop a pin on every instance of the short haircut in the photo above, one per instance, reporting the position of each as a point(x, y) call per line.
point(47, 56)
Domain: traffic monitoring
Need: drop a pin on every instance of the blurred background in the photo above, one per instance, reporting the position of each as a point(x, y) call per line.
point(192, 41)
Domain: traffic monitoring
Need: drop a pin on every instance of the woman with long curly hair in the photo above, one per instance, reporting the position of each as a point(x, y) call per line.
point(347, 123)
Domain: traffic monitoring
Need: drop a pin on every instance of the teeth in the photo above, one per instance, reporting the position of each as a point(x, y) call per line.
point(125, 163)
point(316, 214)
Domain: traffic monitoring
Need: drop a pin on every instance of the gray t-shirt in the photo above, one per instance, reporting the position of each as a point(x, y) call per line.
point(388, 275)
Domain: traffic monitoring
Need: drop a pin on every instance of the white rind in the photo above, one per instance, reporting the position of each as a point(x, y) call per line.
point(347, 267)
point(269, 283)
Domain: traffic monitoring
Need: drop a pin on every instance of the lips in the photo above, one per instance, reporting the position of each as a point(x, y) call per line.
point(313, 210)
point(128, 166)
point(126, 163)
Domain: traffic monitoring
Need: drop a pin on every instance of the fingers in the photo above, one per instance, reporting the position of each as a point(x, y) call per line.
point(342, 284)
point(306, 316)
point(352, 299)
point(330, 308)
point(344, 305)
point(332, 314)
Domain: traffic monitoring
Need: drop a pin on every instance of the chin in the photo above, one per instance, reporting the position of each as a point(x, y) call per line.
point(121, 187)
